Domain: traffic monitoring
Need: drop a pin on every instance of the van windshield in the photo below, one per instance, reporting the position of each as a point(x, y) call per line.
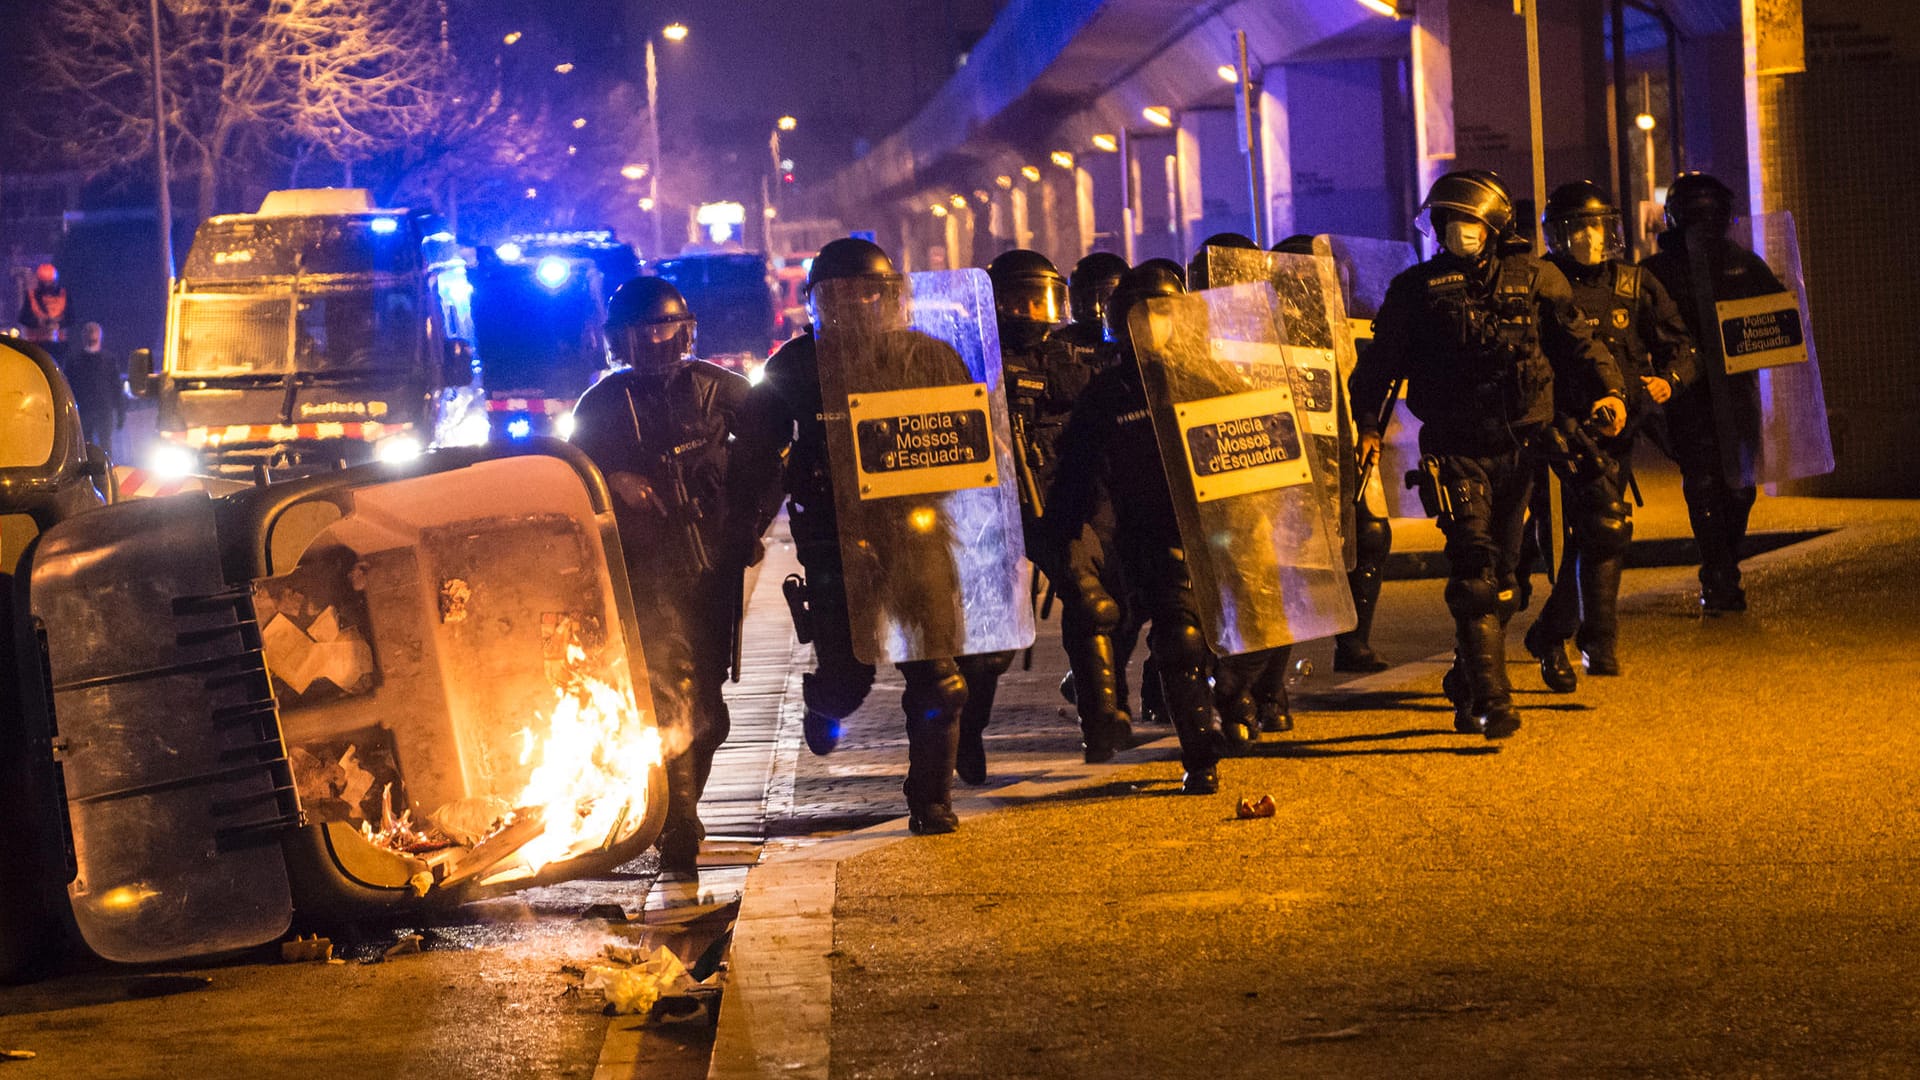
point(337, 329)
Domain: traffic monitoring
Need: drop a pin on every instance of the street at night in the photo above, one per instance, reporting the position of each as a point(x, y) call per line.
point(988, 538)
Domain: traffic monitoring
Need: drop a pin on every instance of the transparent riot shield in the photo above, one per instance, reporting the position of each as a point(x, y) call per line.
point(923, 475)
point(1319, 351)
point(1264, 557)
point(1756, 347)
point(1774, 339)
point(1365, 267)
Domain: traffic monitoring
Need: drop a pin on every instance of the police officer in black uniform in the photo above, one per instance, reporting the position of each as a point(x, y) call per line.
point(784, 416)
point(1372, 543)
point(659, 430)
point(1029, 301)
point(1097, 626)
point(1109, 456)
point(1250, 691)
point(1483, 333)
point(1699, 213)
point(1630, 312)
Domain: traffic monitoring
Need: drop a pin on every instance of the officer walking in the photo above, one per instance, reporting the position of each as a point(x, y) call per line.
point(1629, 311)
point(1098, 626)
point(1110, 463)
point(660, 431)
point(1714, 422)
point(1029, 301)
point(785, 415)
point(1482, 333)
point(99, 385)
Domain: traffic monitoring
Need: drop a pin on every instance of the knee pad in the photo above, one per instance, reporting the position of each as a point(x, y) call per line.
point(1097, 609)
point(1605, 528)
point(936, 691)
point(1179, 643)
point(1372, 542)
point(836, 693)
point(1471, 598)
point(985, 665)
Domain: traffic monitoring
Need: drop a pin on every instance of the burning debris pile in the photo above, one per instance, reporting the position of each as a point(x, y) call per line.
point(587, 792)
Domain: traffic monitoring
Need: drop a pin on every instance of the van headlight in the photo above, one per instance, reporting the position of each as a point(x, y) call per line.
point(398, 448)
point(170, 462)
point(563, 425)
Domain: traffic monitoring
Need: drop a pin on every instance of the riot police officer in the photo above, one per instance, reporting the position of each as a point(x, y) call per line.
point(1482, 333)
point(1029, 301)
point(1372, 543)
point(1109, 456)
point(1713, 423)
point(784, 415)
point(1098, 628)
point(659, 430)
point(1629, 311)
point(1250, 691)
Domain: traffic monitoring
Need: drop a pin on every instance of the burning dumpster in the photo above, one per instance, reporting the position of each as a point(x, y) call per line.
point(385, 687)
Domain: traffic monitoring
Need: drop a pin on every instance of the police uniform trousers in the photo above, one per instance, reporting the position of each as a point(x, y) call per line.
point(1599, 516)
point(687, 635)
point(1717, 509)
point(1482, 526)
point(936, 691)
point(1182, 661)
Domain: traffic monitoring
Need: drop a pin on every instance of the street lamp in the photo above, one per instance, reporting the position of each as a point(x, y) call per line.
point(787, 123)
point(672, 32)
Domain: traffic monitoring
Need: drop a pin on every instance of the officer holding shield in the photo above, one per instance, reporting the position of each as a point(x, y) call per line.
point(660, 431)
point(1714, 423)
point(1630, 312)
point(882, 580)
point(1029, 301)
point(1111, 463)
point(1483, 333)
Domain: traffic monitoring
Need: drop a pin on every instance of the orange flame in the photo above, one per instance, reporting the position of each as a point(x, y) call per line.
point(590, 771)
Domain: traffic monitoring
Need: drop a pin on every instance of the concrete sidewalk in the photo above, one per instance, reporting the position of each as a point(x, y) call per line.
point(1708, 867)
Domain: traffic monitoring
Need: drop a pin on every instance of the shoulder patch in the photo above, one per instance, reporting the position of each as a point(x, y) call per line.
point(1626, 280)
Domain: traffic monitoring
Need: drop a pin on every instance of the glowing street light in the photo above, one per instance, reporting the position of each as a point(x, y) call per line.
point(1063, 159)
point(633, 172)
point(1644, 121)
point(563, 68)
point(1158, 115)
point(1031, 172)
point(513, 38)
point(958, 202)
point(787, 123)
point(1003, 182)
point(938, 210)
point(1106, 143)
point(579, 122)
point(674, 32)
point(1382, 7)
point(646, 203)
point(1227, 73)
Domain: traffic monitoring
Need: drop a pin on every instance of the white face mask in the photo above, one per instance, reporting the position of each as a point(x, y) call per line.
point(1587, 244)
point(1465, 238)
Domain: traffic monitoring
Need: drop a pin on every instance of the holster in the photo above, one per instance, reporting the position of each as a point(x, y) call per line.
point(795, 590)
point(1426, 481)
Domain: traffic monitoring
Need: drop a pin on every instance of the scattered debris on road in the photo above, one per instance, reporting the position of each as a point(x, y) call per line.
point(306, 950)
point(1263, 807)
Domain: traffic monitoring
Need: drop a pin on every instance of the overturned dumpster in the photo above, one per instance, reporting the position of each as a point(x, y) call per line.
point(384, 688)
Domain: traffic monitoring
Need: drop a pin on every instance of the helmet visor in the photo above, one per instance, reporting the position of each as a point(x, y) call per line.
point(1587, 238)
point(1036, 299)
point(649, 345)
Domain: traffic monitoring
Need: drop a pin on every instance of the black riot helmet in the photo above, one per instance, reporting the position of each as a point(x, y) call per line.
point(1478, 193)
point(853, 259)
point(1572, 211)
point(1155, 277)
point(1164, 263)
point(1297, 244)
point(1197, 266)
point(1027, 288)
point(649, 324)
point(1091, 282)
point(1694, 198)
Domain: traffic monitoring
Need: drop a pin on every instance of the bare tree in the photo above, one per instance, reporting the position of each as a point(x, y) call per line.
point(359, 77)
point(247, 84)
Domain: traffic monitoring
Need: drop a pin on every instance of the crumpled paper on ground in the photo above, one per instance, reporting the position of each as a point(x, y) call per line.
point(635, 985)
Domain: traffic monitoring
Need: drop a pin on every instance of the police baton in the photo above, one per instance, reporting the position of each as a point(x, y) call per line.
point(1381, 417)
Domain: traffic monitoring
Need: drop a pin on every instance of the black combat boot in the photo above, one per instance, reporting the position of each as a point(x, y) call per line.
point(1556, 670)
point(1105, 728)
point(1270, 696)
point(1454, 685)
point(680, 836)
point(1483, 656)
point(1600, 626)
point(1189, 703)
point(931, 746)
point(1714, 519)
point(1353, 650)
